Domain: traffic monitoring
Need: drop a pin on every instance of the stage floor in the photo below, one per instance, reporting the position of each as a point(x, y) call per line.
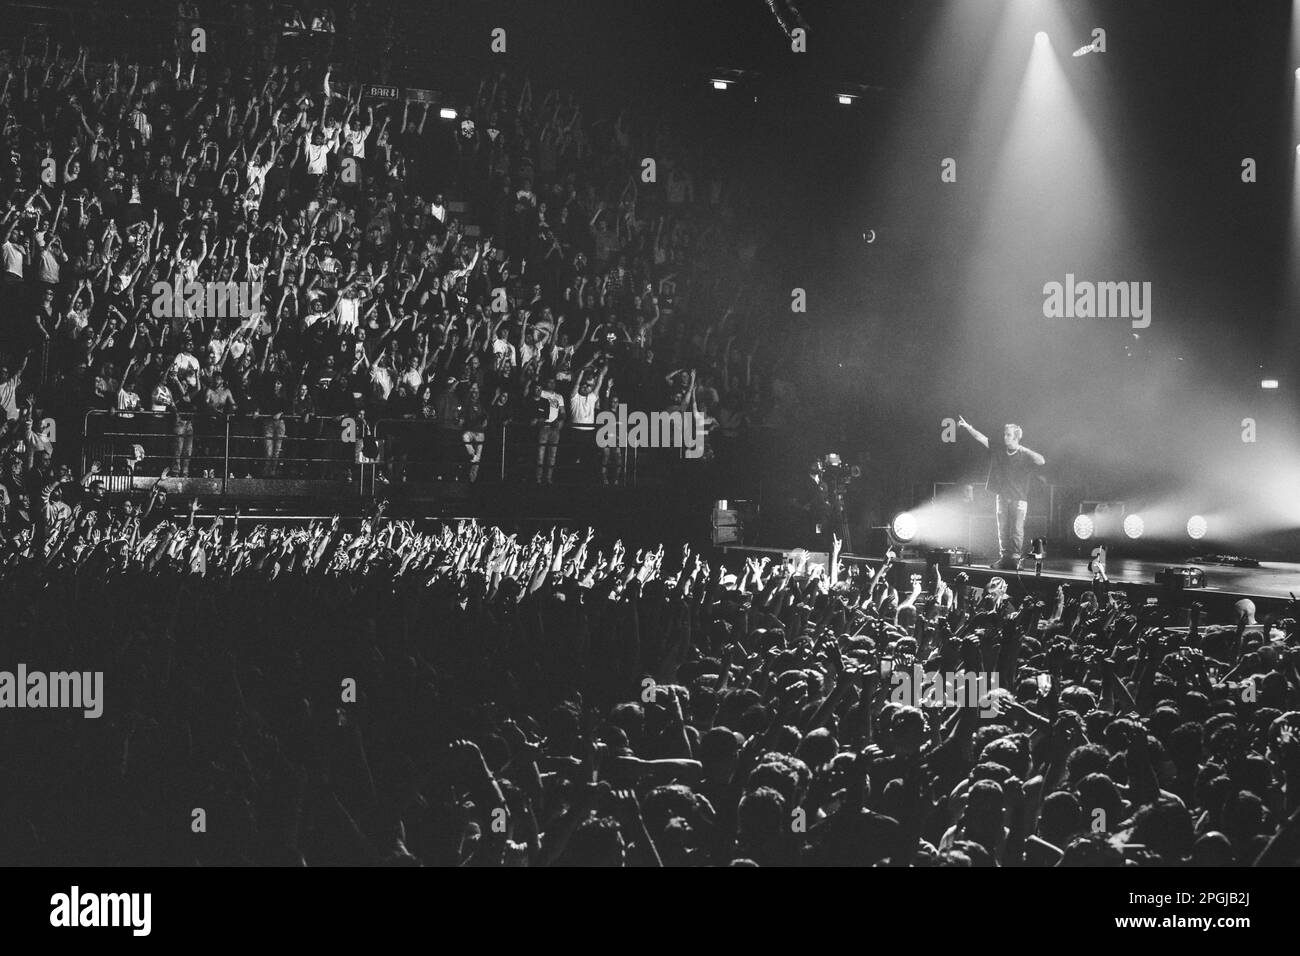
point(1275, 580)
point(1272, 580)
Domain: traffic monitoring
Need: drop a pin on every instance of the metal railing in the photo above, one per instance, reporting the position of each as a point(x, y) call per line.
point(405, 452)
point(418, 450)
point(218, 447)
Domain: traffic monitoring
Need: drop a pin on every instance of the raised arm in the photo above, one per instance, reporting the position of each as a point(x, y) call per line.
point(974, 433)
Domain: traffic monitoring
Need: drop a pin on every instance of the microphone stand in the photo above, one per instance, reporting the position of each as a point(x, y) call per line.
point(1040, 552)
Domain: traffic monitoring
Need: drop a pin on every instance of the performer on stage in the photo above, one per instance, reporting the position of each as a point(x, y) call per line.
point(813, 500)
point(1010, 470)
point(821, 499)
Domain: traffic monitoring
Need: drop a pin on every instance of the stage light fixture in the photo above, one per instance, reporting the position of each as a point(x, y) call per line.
point(904, 527)
point(447, 113)
point(1134, 526)
point(1040, 37)
point(720, 84)
point(1268, 383)
point(1196, 527)
point(1083, 527)
point(845, 99)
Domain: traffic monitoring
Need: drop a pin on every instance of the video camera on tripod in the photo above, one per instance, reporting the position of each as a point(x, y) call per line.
point(835, 472)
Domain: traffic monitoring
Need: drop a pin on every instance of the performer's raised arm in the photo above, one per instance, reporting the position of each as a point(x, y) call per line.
point(974, 433)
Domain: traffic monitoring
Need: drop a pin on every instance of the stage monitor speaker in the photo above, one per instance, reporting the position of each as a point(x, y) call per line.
point(948, 557)
point(728, 524)
point(1180, 579)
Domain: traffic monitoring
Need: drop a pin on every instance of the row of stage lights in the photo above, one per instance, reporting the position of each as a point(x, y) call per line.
point(1134, 527)
point(905, 527)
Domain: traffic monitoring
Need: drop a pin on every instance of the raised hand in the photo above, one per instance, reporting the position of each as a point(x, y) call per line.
point(468, 758)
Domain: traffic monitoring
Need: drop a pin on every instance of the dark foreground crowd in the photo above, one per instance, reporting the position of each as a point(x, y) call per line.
point(463, 696)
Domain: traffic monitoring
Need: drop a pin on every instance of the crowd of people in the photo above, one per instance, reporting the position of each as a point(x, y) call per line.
point(190, 240)
point(457, 695)
point(352, 258)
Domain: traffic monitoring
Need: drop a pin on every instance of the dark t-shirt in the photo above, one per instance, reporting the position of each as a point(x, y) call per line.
point(1009, 474)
